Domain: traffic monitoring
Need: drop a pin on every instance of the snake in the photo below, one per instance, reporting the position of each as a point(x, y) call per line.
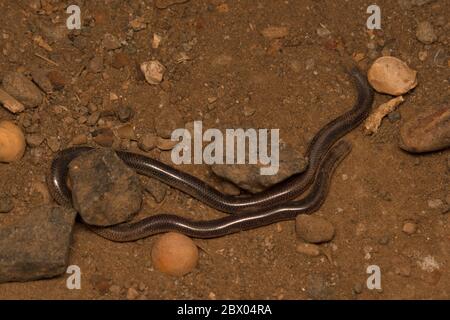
point(255, 210)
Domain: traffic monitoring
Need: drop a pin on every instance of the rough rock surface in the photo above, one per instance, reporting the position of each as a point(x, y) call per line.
point(37, 245)
point(23, 89)
point(428, 132)
point(249, 177)
point(104, 190)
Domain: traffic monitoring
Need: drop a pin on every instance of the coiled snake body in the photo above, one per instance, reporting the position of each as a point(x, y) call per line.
point(269, 206)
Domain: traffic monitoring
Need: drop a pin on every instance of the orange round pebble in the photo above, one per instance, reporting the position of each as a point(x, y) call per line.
point(174, 254)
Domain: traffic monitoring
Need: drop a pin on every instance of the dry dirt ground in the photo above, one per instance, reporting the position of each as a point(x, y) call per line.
point(295, 84)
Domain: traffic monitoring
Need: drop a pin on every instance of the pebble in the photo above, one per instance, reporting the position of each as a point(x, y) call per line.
point(126, 132)
point(92, 107)
point(110, 42)
point(392, 76)
point(82, 120)
point(165, 144)
point(156, 41)
point(138, 24)
point(428, 131)
point(6, 204)
point(423, 55)
point(308, 249)
point(249, 110)
point(274, 32)
point(103, 137)
point(54, 144)
point(105, 191)
point(10, 103)
point(34, 140)
point(40, 78)
point(435, 203)
point(147, 142)
point(93, 118)
point(153, 71)
point(313, 229)
point(425, 33)
point(323, 32)
point(132, 294)
point(23, 89)
point(409, 228)
point(175, 254)
point(124, 113)
point(79, 139)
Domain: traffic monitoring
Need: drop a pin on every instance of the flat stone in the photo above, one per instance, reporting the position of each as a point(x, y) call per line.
point(249, 177)
point(54, 144)
point(103, 137)
point(105, 191)
point(429, 131)
point(308, 249)
point(425, 33)
point(34, 140)
point(147, 142)
point(110, 42)
point(126, 132)
point(23, 89)
point(36, 245)
point(124, 113)
point(40, 78)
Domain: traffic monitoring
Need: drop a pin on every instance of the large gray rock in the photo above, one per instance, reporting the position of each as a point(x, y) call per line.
point(23, 89)
point(249, 177)
point(105, 191)
point(36, 245)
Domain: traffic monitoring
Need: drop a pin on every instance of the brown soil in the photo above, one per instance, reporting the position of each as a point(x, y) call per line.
point(374, 192)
